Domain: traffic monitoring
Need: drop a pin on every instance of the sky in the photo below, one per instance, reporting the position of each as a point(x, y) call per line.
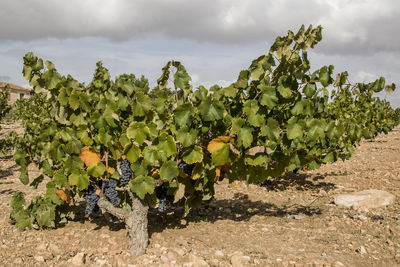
point(214, 39)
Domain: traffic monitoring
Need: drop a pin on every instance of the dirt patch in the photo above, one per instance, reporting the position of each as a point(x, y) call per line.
point(290, 221)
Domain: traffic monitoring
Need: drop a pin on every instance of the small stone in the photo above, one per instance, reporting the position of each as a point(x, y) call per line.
point(179, 251)
point(78, 259)
point(164, 259)
point(54, 248)
point(297, 216)
point(39, 258)
point(219, 253)
point(188, 264)
point(237, 260)
point(18, 261)
point(101, 262)
point(157, 245)
point(338, 264)
point(171, 256)
point(214, 262)
point(183, 222)
point(361, 250)
point(198, 261)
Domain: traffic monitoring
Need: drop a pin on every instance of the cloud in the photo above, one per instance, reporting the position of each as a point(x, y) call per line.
point(359, 26)
point(364, 77)
point(5, 78)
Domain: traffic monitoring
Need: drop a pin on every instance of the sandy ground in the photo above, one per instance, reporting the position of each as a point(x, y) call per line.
point(289, 222)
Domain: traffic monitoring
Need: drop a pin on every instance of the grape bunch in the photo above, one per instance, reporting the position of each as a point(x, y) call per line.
point(111, 193)
point(161, 194)
point(126, 172)
point(186, 168)
point(91, 200)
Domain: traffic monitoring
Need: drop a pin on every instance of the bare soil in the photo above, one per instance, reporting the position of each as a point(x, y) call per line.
point(291, 221)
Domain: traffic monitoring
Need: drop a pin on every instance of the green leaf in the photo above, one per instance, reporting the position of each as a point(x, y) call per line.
point(330, 157)
point(186, 137)
point(17, 201)
point(104, 137)
point(193, 155)
point(309, 90)
point(220, 154)
point(78, 120)
point(23, 177)
point(45, 215)
point(316, 129)
point(138, 131)
point(169, 171)
point(96, 170)
point(150, 154)
point(183, 114)
point(271, 129)
point(166, 146)
point(126, 86)
point(142, 104)
point(142, 185)
point(79, 179)
point(297, 109)
point(74, 100)
point(324, 76)
point(211, 109)
point(124, 140)
point(97, 120)
point(268, 97)
point(245, 136)
point(59, 178)
point(294, 131)
point(51, 193)
point(133, 154)
point(257, 160)
point(285, 92)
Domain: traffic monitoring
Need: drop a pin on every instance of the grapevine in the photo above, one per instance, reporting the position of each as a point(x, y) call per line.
point(174, 142)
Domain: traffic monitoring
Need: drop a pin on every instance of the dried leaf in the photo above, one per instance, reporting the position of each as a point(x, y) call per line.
point(180, 193)
point(65, 196)
point(89, 156)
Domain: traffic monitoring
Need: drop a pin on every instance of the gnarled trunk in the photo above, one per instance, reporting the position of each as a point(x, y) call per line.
point(136, 225)
point(135, 221)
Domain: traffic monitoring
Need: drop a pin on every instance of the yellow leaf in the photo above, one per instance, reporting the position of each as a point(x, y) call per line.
point(89, 156)
point(65, 196)
point(218, 142)
point(180, 193)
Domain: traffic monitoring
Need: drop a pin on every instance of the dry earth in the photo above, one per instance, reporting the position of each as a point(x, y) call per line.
point(288, 222)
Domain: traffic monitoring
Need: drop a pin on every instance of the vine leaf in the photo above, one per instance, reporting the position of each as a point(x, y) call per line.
point(65, 195)
point(180, 193)
point(142, 185)
point(78, 179)
point(138, 131)
point(169, 171)
point(89, 156)
point(193, 155)
point(220, 150)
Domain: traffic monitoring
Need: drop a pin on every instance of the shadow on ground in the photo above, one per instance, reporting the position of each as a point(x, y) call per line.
point(239, 208)
point(299, 181)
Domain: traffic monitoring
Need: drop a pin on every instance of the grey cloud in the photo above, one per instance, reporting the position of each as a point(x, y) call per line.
point(5, 78)
point(362, 27)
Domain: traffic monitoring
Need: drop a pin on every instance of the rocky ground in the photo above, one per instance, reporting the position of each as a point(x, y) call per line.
point(289, 222)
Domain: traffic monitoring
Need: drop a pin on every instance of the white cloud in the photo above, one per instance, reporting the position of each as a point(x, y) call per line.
point(364, 77)
point(358, 26)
